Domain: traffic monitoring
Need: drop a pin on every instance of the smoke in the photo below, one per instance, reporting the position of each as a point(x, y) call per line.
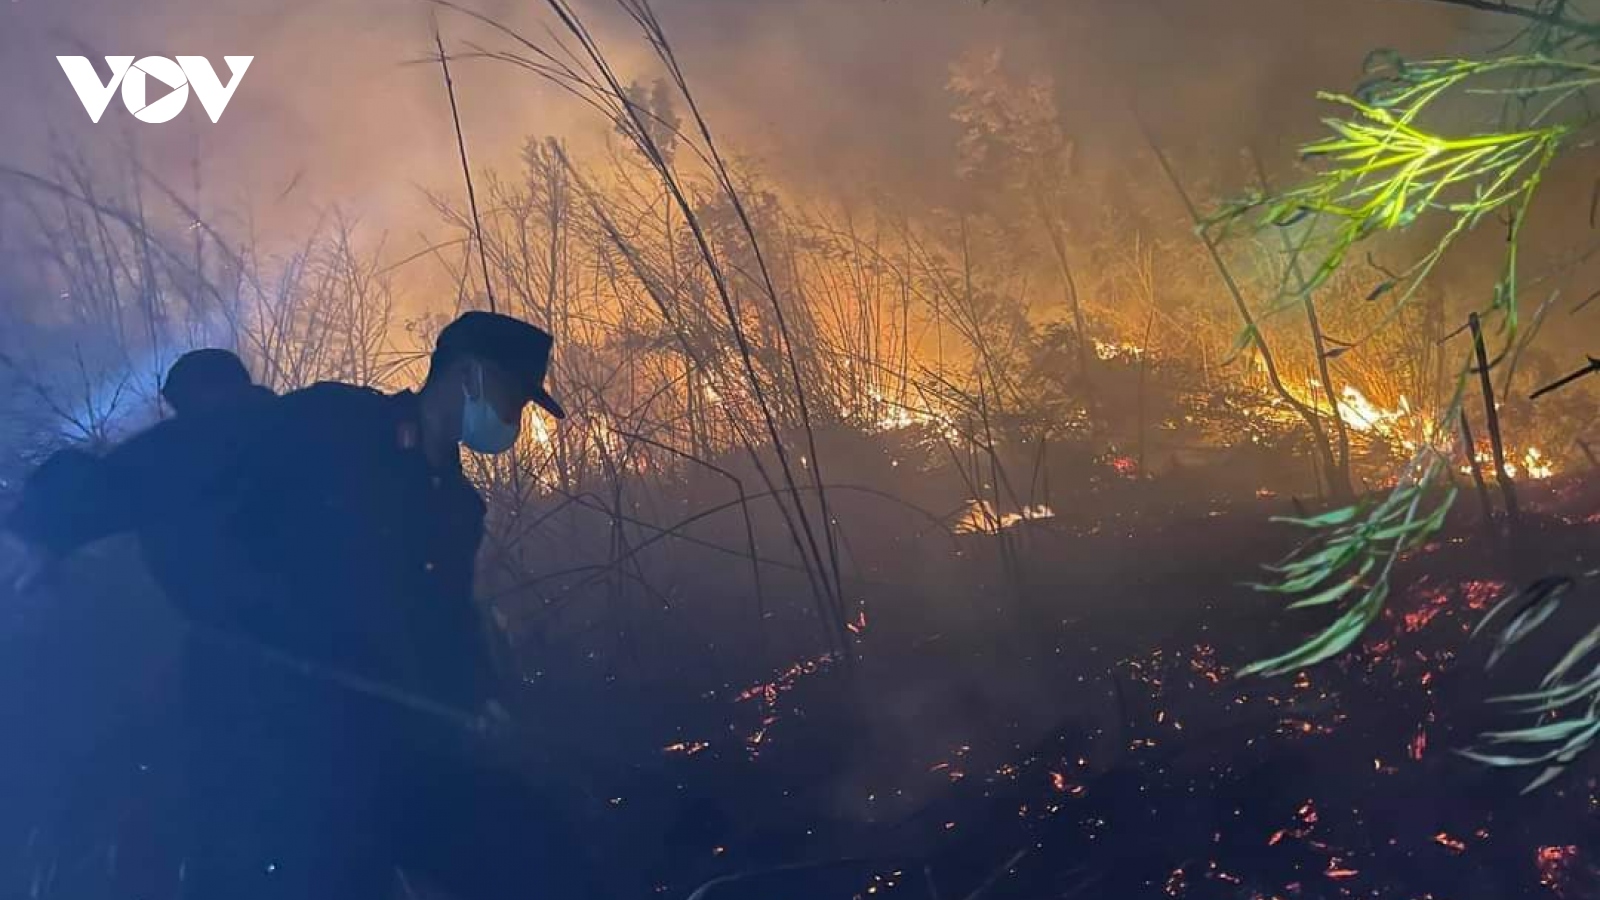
point(821, 91)
point(343, 110)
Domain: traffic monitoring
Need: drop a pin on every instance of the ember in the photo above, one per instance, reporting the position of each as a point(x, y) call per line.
point(1418, 745)
point(768, 694)
point(1338, 873)
point(1558, 868)
point(1175, 883)
point(1307, 813)
point(859, 624)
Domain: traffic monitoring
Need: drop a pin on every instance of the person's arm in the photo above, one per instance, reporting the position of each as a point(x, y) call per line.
point(67, 503)
point(461, 648)
point(73, 499)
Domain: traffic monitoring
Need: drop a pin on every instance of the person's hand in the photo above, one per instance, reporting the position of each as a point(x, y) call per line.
point(22, 564)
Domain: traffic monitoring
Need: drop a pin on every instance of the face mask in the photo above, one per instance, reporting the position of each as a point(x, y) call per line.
point(482, 429)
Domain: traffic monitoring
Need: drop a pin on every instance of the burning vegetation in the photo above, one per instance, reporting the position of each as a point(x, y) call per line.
point(1039, 434)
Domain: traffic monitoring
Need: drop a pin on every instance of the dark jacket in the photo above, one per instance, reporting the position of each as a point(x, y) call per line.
point(364, 551)
point(311, 524)
point(75, 498)
point(66, 504)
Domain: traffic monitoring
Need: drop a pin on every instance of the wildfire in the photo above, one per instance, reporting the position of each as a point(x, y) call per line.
point(1534, 465)
point(884, 413)
point(980, 517)
point(1364, 415)
point(1106, 351)
point(1407, 429)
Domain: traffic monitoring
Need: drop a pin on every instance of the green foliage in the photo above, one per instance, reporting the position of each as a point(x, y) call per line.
point(1353, 550)
point(1565, 709)
point(1389, 165)
point(1384, 171)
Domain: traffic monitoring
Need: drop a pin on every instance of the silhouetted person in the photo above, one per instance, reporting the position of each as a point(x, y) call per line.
point(75, 497)
point(329, 540)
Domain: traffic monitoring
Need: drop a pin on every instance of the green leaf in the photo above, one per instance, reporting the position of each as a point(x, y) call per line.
point(1548, 775)
point(1331, 642)
point(1247, 338)
point(1573, 656)
point(1340, 516)
point(1555, 731)
point(1335, 593)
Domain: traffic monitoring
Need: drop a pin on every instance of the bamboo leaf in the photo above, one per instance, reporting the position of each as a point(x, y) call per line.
point(1332, 641)
point(1335, 593)
point(1341, 516)
point(1555, 731)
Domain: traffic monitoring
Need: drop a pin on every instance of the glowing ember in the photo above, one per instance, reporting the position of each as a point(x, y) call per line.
point(1557, 868)
point(1418, 619)
point(1203, 662)
point(1454, 845)
point(1337, 872)
point(687, 748)
point(1175, 884)
point(1482, 593)
point(859, 624)
point(768, 693)
point(1418, 746)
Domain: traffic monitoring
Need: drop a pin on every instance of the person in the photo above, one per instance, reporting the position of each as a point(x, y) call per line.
point(209, 380)
point(338, 658)
point(67, 502)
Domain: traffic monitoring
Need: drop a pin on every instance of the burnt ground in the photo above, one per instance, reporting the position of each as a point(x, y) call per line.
point(1072, 729)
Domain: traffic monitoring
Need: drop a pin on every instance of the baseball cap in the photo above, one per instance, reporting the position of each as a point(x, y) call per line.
point(519, 349)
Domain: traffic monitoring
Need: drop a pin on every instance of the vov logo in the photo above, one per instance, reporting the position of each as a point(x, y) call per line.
point(135, 77)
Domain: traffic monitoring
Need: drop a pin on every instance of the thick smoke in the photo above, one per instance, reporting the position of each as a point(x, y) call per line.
point(822, 91)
